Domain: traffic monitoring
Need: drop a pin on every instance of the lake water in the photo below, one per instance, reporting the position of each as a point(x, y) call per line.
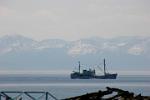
point(62, 86)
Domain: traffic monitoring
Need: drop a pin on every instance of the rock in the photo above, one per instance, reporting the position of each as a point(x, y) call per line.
point(104, 95)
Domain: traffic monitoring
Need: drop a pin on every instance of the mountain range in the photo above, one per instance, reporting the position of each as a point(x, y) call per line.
point(126, 52)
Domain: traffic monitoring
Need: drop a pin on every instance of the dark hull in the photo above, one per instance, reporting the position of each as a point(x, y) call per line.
point(80, 76)
point(106, 76)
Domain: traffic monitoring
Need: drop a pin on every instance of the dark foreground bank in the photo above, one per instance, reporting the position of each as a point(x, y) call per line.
point(110, 94)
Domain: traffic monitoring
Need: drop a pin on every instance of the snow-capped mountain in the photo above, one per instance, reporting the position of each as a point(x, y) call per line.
point(14, 43)
point(81, 48)
point(51, 43)
point(130, 45)
point(17, 50)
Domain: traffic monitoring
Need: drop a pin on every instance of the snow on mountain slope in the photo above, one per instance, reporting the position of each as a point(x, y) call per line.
point(51, 43)
point(14, 43)
point(79, 48)
point(129, 45)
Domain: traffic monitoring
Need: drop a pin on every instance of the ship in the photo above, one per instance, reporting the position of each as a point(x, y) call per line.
point(91, 74)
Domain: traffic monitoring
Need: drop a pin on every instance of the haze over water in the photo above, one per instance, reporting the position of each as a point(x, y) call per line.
point(62, 86)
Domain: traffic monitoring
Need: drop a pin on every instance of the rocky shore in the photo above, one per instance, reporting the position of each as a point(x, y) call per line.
point(110, 94)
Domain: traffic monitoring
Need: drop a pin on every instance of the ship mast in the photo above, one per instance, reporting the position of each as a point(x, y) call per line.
point(104, 67)
point(79, 66)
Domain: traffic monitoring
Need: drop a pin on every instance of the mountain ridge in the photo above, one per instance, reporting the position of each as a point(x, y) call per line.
point(17, 51)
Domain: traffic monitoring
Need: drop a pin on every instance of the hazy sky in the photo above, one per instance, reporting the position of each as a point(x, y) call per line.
point(74, 19)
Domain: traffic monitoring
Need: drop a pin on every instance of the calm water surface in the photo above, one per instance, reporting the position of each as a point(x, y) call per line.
point(62, 86)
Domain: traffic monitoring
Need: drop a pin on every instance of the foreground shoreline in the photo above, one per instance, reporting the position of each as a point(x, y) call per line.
point(110, 94)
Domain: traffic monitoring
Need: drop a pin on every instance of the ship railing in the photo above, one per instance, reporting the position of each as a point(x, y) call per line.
point(26, 95)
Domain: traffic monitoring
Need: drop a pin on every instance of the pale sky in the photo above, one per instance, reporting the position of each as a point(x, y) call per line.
point(74, 19)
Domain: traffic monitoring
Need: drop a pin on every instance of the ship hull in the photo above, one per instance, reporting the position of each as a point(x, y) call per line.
point(106, 76)
point(81, 76)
